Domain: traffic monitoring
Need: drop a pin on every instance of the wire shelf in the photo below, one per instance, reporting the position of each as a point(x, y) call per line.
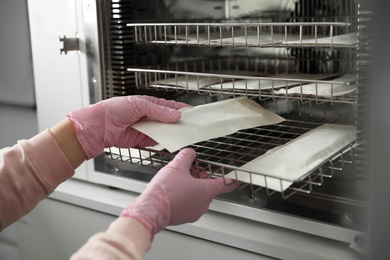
point(227, 154)
point(276, 79)
point(242, 34)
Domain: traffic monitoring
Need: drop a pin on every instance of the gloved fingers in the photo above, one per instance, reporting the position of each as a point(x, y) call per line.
point(147, 108)
point(183, 160)
point(166, 103)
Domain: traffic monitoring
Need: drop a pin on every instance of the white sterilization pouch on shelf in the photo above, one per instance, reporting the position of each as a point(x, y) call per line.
point(193, 82)
point(296, 158)
point(264, 39)
point(264, 84)
point(207, 121)
point(187, 82)
point(325, 89)
point(338, 40)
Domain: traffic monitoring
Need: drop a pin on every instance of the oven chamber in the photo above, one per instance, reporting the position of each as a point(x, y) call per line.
point(141, 44)
point(130, 45)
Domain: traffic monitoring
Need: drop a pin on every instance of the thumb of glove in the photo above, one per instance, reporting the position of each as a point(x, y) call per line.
point(183, 160)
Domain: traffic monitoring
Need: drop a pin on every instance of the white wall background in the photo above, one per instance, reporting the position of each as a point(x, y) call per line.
point(18, 118)
point(16, 71)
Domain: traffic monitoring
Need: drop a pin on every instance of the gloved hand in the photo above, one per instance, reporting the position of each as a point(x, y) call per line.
point(174, 196)
point(108, 123)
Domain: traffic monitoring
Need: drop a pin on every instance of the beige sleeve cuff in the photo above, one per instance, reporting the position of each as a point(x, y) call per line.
point(47, 158)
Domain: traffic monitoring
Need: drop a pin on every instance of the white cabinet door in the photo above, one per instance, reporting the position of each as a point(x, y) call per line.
point(55, 230)
point(58, 79)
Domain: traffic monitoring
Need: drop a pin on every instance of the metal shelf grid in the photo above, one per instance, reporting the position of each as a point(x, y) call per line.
point(149, 79)
point(210, 77)
point(243, 34)
point(223, 155)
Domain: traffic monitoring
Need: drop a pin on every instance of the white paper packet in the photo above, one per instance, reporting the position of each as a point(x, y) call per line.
point(338, 40)
point(187, 82)
point(264, 84)
point(296, 158)
point(325, 89)
point(192, 82)
point(264, 39)
point(207, 121)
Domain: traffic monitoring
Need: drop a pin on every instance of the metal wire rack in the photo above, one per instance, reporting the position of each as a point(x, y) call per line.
point(244, 34)
point(224, 155)
point(272, 78)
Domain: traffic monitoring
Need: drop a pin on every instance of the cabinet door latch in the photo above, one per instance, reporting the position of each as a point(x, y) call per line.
point(69, 44)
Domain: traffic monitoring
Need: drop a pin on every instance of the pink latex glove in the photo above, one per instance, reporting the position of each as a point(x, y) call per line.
point(108, 123)
point(174, 196)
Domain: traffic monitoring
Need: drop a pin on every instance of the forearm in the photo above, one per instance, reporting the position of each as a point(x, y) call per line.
point(134, 231)
point(65, 135)
point(126, 238)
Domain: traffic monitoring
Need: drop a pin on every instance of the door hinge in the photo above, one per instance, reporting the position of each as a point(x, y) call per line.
point(69, 44)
